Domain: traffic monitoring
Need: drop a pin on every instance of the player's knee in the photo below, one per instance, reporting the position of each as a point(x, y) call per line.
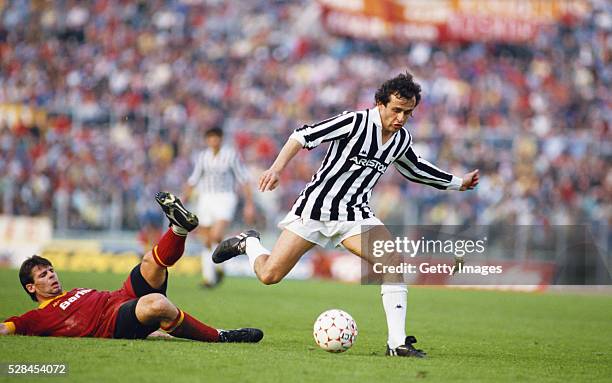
point(270, 277)
point(148, 259)
point(157, 305)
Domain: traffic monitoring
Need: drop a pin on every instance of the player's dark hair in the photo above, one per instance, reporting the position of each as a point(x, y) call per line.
point(402, 85)
point(25, 272)
point(216, 131)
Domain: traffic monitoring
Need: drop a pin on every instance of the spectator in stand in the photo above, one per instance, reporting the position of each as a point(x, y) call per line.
point(119, 104)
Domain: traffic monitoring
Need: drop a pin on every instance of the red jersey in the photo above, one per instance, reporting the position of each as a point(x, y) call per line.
point(76, 313)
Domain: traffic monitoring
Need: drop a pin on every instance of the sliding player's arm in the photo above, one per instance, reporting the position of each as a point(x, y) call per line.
point(32, 322)
point(307, 137)
point(7, 328)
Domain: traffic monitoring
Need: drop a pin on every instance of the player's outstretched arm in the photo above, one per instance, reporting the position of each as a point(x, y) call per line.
point(419, 170)
point(269, 179)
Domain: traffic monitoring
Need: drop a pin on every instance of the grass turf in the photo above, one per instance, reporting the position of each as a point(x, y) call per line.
point(469, 336)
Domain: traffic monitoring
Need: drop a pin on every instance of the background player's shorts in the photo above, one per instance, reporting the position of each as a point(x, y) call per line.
point(324, 233)
point(213, 207)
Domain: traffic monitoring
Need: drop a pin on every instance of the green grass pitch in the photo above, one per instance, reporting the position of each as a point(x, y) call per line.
point(469, 336)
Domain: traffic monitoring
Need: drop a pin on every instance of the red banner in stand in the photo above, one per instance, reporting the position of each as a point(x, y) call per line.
point(489, 28)
point(373, 28)
point(451, 20)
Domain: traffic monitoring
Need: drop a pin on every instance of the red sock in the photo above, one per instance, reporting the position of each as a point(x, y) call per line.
point(169, 249)
point(186, 326)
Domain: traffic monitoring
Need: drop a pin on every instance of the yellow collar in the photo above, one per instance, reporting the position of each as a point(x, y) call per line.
point(46, 302)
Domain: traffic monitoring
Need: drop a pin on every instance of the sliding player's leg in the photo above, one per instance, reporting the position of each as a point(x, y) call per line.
point(394, 295)
point(172, 244)
point(151, 309)
point(141, 316)
point(269, 266)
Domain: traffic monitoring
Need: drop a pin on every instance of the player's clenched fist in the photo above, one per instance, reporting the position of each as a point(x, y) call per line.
point(268, 180)
point(470, 180)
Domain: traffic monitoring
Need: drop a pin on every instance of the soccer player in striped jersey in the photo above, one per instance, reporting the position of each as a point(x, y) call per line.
point(334, 206)
point(217, 171)
point(139, 308)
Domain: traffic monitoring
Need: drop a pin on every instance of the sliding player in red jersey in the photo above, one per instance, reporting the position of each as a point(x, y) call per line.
point(137, 309)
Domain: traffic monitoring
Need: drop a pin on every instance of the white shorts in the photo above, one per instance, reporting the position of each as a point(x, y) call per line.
point(324, 233)
point(213, 207)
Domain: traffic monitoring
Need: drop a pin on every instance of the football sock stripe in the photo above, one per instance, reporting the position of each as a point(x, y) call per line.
point(175, 323)
point(169, 249)
point(191, 328)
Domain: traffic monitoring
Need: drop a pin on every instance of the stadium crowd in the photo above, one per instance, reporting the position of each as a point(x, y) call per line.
point(129, 87)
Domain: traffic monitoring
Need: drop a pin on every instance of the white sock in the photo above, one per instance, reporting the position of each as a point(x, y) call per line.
point(395, 298)
point(254, 249)
point(208, 267)
point(179, 230)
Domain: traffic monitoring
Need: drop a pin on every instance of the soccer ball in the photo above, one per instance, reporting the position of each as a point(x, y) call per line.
point(335, 331)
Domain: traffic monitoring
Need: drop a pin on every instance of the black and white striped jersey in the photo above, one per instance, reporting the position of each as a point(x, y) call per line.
point(218, 173)
point(341, 188)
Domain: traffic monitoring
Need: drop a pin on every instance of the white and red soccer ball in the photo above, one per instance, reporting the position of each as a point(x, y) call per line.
point(335, 331)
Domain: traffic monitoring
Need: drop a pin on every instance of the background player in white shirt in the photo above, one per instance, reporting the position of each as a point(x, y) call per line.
point(217, 172)
point(334, 207)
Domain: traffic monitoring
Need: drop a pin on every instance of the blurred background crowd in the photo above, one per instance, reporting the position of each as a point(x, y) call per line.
point(113, 97)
